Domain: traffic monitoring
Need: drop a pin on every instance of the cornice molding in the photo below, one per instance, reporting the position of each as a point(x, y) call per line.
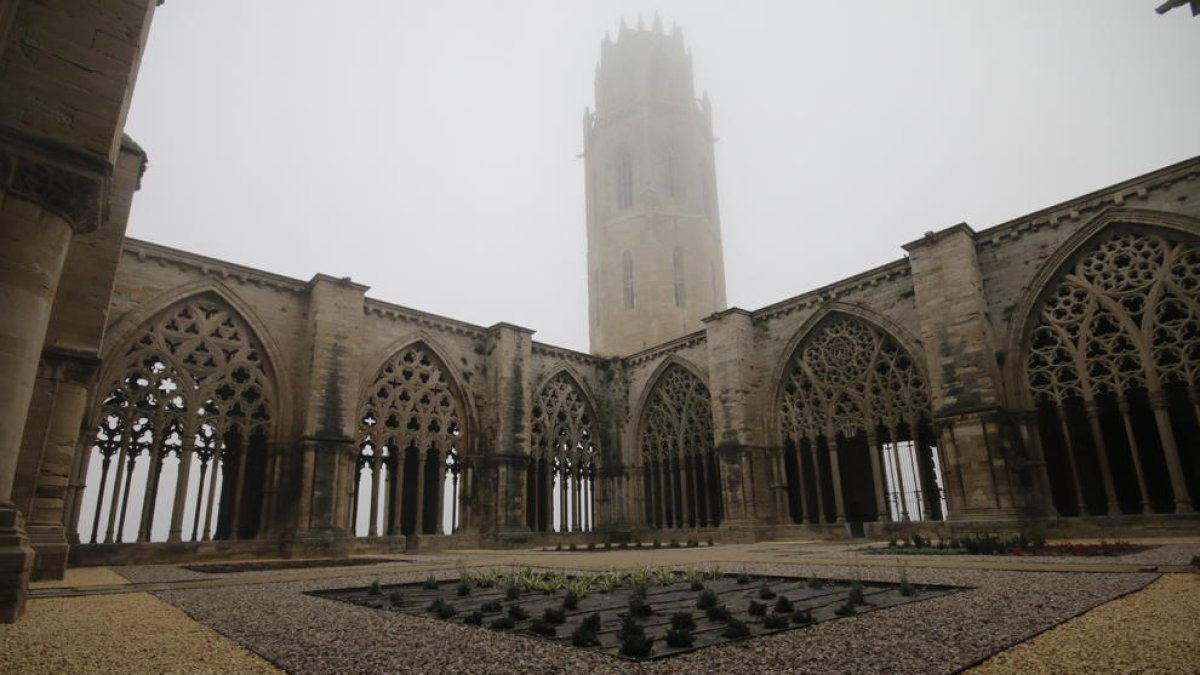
point(835, 291)
point(211, 267)
point(1083, 207)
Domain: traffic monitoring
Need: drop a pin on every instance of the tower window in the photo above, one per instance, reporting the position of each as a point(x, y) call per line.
point(627, 277)
point(680, 290)
point(624, 181)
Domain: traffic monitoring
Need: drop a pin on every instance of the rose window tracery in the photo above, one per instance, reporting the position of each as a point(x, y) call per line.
point(1118, 330)
point(680, 468)
point(193, 384)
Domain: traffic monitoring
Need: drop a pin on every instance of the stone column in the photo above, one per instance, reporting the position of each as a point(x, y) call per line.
point(874, 449)
point(505, 412)
point(733, 382)
point(328, 446)
point(33, 245)
point(48, 449)
point(1162, 416)
point(965, 383)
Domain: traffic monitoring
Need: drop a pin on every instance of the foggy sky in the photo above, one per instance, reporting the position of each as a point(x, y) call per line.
point(429, 149)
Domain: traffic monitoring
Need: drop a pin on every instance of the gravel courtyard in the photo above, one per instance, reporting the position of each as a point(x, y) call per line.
point(263, 620)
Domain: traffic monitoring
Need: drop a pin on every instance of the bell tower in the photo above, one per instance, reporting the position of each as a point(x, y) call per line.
point(655, 266)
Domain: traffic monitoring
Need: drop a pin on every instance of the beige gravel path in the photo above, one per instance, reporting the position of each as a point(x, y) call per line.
point(1156, 630)
point(133, 633)
point(83, 577)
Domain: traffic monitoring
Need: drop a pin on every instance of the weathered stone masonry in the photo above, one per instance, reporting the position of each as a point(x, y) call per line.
point(1045, 371)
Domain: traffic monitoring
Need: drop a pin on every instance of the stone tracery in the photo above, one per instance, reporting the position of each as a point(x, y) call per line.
point(411, 428)
point(562, 458)
point(194, 384)
point(1113, 358)
point(680, 468)
point(846, 380)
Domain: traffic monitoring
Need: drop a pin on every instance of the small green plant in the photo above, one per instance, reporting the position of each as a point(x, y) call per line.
point(474, 618)
point(431, 583)
point(697, 585)
point(607, 583)
point(513, 592)
point(665, 576)
point(856, 597)
point(517, 613)
point(375, 588)
point(463, 588)
point(757, 608)
point(639, 576)
point(775, 622)
point(783, 605)
point(735, 629)
point(693, 543)
point(816, 584)
point(441, 609)
point(683, 620)
point(385, 602)
point(680, 638)
point(710, 541)
point(396, 597)
point(592, 622)
point(571, 546)
point(906, 589)
point(591, 546)
point(639, 607)
point(502, 623)
point(718, 613)
point(845, 610)
point(802, 616)
point(584, 637)
point(634, 642)
point(765, 592)
point(490, 607)
point(743, 578)
point(638, 591)
point(657, 544)
point(571, 600)
point(607, 545)
point(707, 599)
point(674, 543)
point(554, 616)
point(543, 628)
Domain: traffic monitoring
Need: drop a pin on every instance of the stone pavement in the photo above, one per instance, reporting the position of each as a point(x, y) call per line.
point(74, 624)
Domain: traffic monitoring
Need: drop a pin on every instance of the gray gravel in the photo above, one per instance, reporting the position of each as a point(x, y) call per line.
point(305, 635)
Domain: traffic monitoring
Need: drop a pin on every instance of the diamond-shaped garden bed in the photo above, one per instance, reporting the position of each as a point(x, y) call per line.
point(609, 611)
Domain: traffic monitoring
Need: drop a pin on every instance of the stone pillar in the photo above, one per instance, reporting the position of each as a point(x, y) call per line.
point(33, 245)
point(504, 413)
point(48, 448)
point(328, 449)
point(960, 354)
point(61, 131)
point(733, 380)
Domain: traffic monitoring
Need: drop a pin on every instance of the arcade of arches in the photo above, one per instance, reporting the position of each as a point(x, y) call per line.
point(184, 445)
point(1113, 367)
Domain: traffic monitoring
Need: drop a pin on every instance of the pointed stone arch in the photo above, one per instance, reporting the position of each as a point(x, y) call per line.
point(414, 432)
point(191, 379)
point(1106, 347)
point(851, 411)
point(564, 453)
point(120, 334)
point(680, 467)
